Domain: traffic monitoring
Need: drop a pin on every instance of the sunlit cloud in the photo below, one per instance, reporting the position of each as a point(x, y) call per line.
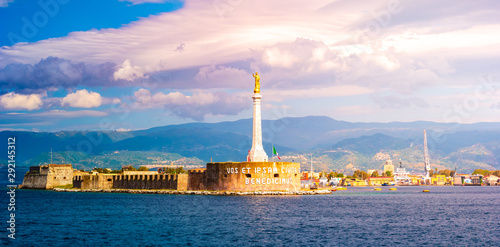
point(82, 99)
point(13, 101)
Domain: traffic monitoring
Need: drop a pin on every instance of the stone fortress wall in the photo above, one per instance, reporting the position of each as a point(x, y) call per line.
point(48, 176)
point(131, 180)
point(246, 176)
point(52, 176)
point(226, 176)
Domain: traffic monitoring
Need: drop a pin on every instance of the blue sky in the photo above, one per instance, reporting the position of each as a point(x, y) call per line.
point(50, 19)
point(126, 65)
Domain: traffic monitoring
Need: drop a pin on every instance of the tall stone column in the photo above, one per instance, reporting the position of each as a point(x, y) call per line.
point(257, 153)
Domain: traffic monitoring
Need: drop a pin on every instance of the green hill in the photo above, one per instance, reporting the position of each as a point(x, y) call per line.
point(113, 160)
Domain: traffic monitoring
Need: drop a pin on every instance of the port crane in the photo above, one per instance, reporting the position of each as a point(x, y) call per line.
point(427, 164)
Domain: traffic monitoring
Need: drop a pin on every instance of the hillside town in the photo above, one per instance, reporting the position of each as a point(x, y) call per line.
point(396, 175)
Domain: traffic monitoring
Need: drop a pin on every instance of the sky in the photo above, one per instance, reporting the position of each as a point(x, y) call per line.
point(136, 64)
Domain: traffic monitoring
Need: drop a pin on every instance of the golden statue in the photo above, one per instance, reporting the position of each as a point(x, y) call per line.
point(257, 83)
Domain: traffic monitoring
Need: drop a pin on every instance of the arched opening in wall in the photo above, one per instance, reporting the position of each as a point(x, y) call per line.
point(109, 179)
point(248, 175)
point(225, 175)
point(64, 178)
point(276, 175)
point(296, 174)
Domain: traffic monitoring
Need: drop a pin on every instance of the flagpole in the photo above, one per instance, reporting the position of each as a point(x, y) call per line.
point(272, 151)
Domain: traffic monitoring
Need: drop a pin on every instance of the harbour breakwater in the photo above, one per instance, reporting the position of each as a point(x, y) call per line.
point(198, 192)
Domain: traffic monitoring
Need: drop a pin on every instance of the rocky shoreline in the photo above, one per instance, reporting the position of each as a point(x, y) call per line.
point(197, 192)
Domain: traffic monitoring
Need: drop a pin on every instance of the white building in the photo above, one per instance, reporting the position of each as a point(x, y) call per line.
point(334, 181)
point(401, 176)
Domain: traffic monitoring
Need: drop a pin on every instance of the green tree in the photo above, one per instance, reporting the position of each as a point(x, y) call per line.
point(339, 175)
point(481, 172)
point(375, 174)
point(142, 168)
point(129, 168)
point(496, 173)
point(360, 174)
point(447, 173)
point(388, 173)
point(178, 170)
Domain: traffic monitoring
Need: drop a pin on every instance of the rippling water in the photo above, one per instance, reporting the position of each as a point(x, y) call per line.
point(448, 216)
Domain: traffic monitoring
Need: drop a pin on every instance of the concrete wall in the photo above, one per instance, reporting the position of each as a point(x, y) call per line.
point(253, 176)
point(48, 176)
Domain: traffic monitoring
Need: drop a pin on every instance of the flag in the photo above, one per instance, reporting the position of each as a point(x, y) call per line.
point(274, 152)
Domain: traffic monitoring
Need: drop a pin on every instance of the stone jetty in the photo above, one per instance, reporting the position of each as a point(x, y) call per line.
point(197, 192)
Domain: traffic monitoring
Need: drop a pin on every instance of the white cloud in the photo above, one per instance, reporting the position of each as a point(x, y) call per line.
point(222, 76)
point(195, 106)
point(122, 130)
point(134, 2)
point(128, 72)
point(13, 101)
point(69, 114)
point(5, 3)
point(155, 40)
point(206, 38)
point(82, 99)
point(320, 92)
point(144, 99)
point(114, 101)
point(280, 38)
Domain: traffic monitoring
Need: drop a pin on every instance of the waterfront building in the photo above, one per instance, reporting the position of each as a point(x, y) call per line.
point(306, 183)
point(491, 180)
point(438, 180)
point(460, 179)
point(467, 180)
point(415, 179)
point(388, 166)
point(476, 179)
point(379, 181)
point(323, 182)
point(334, 181)
point(309, 175)
point(355, 182)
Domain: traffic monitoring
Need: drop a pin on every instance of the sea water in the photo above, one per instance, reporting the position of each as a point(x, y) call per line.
point(447, 216)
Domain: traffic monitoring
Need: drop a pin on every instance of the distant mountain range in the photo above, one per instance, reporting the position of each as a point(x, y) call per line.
point(338, 145)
